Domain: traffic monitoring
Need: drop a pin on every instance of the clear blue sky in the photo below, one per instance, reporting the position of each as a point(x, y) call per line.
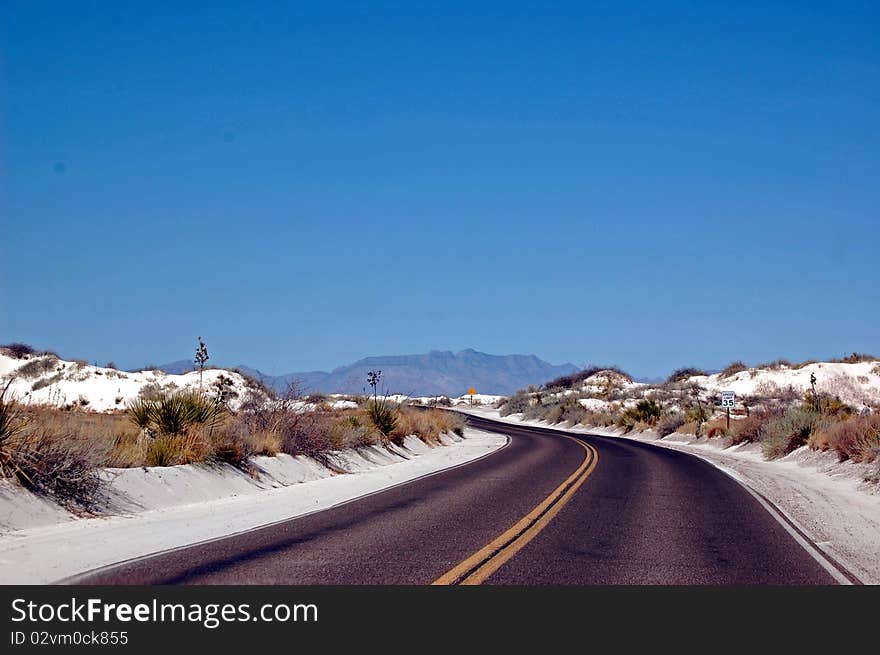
point(650, 185)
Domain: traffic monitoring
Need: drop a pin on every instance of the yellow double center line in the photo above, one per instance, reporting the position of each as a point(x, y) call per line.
point(479, 566)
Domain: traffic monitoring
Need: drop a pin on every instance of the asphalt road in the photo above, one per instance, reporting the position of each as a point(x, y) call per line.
point(587, 510)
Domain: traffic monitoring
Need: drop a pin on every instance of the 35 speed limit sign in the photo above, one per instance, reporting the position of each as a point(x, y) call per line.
point(728, 399)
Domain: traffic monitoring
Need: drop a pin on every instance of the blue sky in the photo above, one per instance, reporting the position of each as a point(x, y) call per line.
point(637, 184)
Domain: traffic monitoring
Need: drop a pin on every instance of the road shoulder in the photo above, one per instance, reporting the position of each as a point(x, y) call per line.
point(834, 509)
point(54, 552)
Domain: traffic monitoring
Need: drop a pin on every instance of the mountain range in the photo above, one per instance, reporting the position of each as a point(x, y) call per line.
point(439, 372)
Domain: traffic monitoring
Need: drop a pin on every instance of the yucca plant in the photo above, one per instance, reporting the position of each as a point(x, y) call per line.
point(172, 414)
point(139, 412)
point(382, 415)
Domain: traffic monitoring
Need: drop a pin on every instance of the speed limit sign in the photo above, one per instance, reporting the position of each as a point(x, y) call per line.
point(728, 399)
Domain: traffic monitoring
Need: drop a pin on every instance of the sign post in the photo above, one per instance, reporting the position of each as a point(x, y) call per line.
point(472, 391)
point(728, 400)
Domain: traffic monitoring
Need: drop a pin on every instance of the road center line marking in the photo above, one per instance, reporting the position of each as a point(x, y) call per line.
point(478, 567)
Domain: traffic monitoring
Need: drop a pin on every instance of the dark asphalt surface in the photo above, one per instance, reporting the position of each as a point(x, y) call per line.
point(646, 515)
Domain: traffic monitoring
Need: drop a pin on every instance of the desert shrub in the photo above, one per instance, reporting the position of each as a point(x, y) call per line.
point(856, 439)
point(876, 370)
point(47, 382)
point(604, 419)
point(829, 405)
point(516, 404)
point(151, 391)
point(564, 410)
point(776, 364)
point(49, 457)
point(697, 413)
point(266, 443)
point(682, 374)
point(12, 422)
point(17, 350)
point(351, 432)
point(308, 433)
point(854, 358)
point(37, 366)
point(787, 432)
point(163, 451)
point(690, 427)
point(451, 423)
point(535, 412)
point(228, 448)
point(63, 465)
point(748, 429)
point(715, 428)
point(733, 368)
point(383, 415)
point(575, 379)
point(573, 412)
point(416, 423)
point(647, 411)
point(191, 447)
point(669, 423)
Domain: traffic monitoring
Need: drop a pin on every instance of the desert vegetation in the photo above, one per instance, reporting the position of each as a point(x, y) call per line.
point(61, 452)
point(777, 418)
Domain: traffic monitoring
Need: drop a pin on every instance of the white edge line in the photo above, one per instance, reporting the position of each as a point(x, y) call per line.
point(777, 513)
point(73, 579)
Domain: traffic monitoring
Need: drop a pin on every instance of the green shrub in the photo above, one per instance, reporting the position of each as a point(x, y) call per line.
point(172, 414)
point(139, 412)
point(697, 413)
point(383, 415)
point(783, 434)
point(647, 411)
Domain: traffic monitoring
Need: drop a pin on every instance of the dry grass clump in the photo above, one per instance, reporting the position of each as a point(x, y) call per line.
point(427, 425)
point(51, 452)
point(60, 452)
point(715, 428)
point(748, 429)
point(856, 439)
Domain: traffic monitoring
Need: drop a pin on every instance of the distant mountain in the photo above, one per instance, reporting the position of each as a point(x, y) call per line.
point(435, 373)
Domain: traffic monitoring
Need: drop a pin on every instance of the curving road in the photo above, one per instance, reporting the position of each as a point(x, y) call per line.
point(550, 508)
